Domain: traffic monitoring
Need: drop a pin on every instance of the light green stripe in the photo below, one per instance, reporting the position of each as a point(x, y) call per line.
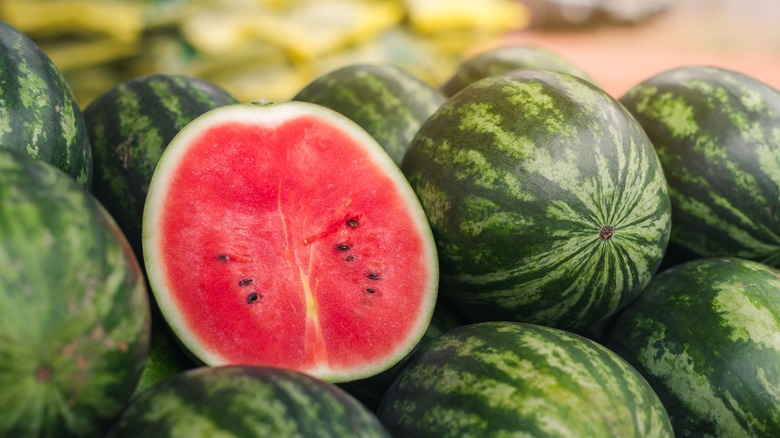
point(679, 373)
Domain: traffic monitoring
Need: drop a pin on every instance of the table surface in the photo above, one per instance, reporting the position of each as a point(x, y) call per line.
point(742, 35)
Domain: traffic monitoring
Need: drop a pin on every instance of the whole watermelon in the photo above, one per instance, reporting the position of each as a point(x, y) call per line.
point(546, 199)
point(717, 133)
point(385, 100)
point(245, 401)
point(515, 379)
point(706, 335)
point(129, 127)
point(38, 113)
point(502, 59)
point(74, 312)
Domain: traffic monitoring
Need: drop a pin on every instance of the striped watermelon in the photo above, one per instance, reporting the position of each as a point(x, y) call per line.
point(245, 401)
point(706, 335)
point(505, 58)
point(129, 127)
point(74, 313)
point(717, 133)
point(38, 113)
point(546, 199)
point(515, 379)
point(385, 100)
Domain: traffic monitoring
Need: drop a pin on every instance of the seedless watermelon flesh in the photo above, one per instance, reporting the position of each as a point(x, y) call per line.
point(283, 235)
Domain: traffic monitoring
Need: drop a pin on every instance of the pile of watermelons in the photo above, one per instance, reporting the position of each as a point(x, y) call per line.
point(512, 253)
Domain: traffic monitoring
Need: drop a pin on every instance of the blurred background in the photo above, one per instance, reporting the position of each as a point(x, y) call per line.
point(272, 48)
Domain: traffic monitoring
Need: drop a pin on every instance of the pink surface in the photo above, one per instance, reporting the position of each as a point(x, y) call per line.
point(273, 238)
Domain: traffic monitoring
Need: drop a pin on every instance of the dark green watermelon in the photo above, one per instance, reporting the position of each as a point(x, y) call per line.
point(245, 401)
point(546, 199)
point(38, 113)
point(706, 335)
point(385, 100)
point(130, 126)
point(514, 379)
point(717, 133)
point(505, 58)
point(74, 312)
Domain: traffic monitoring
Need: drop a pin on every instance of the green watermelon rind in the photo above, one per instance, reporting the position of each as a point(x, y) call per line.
point(129, 127)
point(269, 114)
point(716, 133)
point(245, 401)
point(704, 333)
point(385, 100)
point(546, 198)
point(502, 378)
point(75, 320)
point(504, 58)
point(39, 115)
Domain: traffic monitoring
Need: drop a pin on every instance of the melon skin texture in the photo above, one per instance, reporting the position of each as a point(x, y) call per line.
point(546, 199)
point(245, 401)
point(39, 116)
point(385, 100)
point(129, 127)
point(706, 335)
point(74, 309)
point(716, 133)
point(283, 235)
point(503, 378)
point(503, 59)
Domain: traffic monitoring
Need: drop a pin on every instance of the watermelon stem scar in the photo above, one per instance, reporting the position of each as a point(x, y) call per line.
point(43, 373)
point(606, 232)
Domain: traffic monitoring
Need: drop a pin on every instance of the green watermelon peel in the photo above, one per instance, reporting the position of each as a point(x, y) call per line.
point(283, 235)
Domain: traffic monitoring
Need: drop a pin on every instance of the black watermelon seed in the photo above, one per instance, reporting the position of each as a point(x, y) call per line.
point(252, 298)
point(369, 290)
point(373, 276)
point(352, 223)
point(342, 247)
point(223, 257)
point(245, 282)
point(349, 258)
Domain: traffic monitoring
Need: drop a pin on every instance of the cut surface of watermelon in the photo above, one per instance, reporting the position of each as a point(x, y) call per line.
point(284, 235)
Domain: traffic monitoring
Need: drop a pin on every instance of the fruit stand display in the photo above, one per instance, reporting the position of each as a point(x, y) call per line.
point(254, 48)
point(381, 218)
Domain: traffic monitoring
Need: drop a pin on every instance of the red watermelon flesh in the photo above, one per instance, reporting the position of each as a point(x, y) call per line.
point(284, 235)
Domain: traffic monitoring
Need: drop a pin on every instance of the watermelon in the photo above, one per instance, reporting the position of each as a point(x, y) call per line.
point(245, 401)
point(129, 126)
point(504, 58)
point(717, 133)
point(500, 378)
point(38, 114)
point(546, 199)
point(283, 235)
point(74, 311)
point(706, 335)
point(385, 100)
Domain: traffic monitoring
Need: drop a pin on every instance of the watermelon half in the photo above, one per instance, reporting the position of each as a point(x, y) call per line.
point(283, 235)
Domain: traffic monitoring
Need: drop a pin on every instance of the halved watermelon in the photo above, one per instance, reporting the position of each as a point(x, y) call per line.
point(283, 235)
